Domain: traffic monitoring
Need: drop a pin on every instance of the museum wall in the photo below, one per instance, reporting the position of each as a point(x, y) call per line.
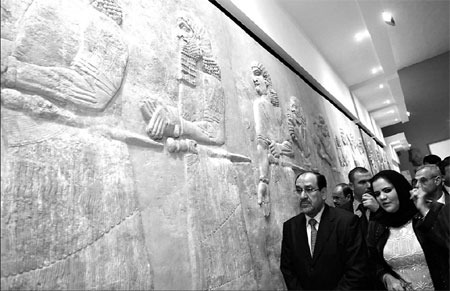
point(427, 96)
point(152, 145)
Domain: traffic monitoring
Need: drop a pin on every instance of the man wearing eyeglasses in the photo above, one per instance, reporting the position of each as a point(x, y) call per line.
point(429, 179)
point(432, 225)
point(322, 247)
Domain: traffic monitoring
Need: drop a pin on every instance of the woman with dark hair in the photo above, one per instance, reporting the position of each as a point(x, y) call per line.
point(393, 245)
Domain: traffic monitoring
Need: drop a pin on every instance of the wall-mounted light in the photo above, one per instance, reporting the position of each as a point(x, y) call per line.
point(388, 18)
point(408, 113)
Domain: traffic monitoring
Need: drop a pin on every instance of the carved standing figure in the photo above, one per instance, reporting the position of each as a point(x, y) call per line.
point(73, 60)
point(194, 125)
point(322, 139)
point(298, 129)
point(268, 126)
point(199, 114)
point(68, 195)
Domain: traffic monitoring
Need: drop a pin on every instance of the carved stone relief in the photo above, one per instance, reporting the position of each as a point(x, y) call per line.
point(271, 145)
point(95, 196)
point(219, 246)
point(193, 124)
point(322, 140)
point(298, 128)
point(73, 60)
point(68, 196)
point(199, 113)
point(343, 161)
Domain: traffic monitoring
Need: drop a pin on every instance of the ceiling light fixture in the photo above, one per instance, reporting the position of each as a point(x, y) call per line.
point(381, 86)
point(388, 18)
point(376, 70)
point(361, 35)
point(387, 102)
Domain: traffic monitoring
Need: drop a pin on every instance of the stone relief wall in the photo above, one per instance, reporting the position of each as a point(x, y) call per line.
point(377, 156)
point(144, 141)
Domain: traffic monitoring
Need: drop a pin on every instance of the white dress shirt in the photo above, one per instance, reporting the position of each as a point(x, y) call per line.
point(356, 210)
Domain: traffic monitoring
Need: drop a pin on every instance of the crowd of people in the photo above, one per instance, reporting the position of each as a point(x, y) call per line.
point(382, 233)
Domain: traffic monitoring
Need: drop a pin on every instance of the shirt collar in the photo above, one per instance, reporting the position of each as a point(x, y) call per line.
point(355, 205)
point(442, 199)
point(317, 217)
point(447, 188)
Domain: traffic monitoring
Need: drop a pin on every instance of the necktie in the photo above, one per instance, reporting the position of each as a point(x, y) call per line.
point(364, 221)
point(313, 223)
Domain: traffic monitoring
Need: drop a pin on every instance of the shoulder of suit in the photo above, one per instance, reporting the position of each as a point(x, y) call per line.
point(340, 213)
point(297, 217)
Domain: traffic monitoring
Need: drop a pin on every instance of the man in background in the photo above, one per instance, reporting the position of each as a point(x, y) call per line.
point(431, 160)
point(364, 202)
point(429, 179)
point(432, 225)
point(444, 166)
point(342, 193)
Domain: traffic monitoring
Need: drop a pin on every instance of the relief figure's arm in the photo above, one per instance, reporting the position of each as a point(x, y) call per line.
point(82, 88)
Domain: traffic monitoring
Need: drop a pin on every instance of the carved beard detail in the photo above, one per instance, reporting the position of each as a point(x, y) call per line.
point(110, 8)
point(260, 85)
point(196, 50)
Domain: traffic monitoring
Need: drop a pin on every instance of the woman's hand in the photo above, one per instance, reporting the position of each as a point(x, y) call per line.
point(392, 283)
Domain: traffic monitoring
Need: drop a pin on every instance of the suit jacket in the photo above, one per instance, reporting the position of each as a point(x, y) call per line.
point(347, 206)
point(364, 223)
point(433, 233)
point(340, 255)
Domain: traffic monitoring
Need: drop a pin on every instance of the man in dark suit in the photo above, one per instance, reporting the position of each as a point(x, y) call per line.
point(342, 194)
point(432, 226)
point(322, 247)
point(363, 203)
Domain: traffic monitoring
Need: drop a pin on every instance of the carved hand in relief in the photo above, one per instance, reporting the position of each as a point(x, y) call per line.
point(283, 149)
point(293, 129)
point(162, 120)
point(263, 197)
point(263, 190)
point(275, 149)
point(286, 149)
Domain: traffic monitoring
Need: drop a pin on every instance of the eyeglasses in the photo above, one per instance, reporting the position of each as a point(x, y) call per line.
point(424, 180)
point(307, 190)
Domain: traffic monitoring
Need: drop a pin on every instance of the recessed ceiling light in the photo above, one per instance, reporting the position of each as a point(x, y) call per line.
point(388, 18)
point(381, 86)
point(361, 35)
point(376, 70)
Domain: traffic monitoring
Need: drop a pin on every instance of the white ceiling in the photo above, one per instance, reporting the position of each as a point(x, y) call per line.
point(421, 32)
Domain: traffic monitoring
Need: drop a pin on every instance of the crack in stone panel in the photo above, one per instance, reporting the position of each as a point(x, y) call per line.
point(60, 197)
point(67, 256)
point(220, 235)
point(250, 272)
point(221, 224)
